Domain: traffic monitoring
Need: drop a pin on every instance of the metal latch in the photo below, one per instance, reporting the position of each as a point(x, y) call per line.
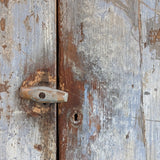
point(42, 94)
point(40, 87)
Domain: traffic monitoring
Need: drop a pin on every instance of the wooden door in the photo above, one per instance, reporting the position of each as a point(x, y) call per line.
point(109, 64)
point(105, 54)
point(27, 51)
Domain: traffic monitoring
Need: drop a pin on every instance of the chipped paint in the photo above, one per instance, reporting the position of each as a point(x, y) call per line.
point(1, 111)
point(37, 19)
point(153, 35)
point(4, 86)
point(4, 46)
point(24, 49)
point(82, 34)
point(5, 2)
point(109, 64)
point(2, 24)
point(38, 147)
point(109, 70)
point(27, 24)
point(40, 78)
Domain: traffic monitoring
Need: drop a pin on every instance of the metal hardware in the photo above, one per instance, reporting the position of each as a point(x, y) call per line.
point(43, 94)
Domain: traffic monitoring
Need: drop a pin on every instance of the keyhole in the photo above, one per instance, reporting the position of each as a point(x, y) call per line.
point(76, 117)
point(42, 95)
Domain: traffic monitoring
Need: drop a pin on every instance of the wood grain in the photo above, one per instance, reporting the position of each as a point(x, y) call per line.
point(27, 45)
point(110, 68)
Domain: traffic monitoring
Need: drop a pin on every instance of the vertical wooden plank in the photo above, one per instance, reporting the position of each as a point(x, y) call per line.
point(150, 15)
point(103, 67)
point(27, 45)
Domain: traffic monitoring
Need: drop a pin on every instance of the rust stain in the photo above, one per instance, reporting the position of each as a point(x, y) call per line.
point(8, 108)
point(4, 46)
point(8, 118)
point(44, 113)
point(38, 147)
point(4, 87)
point(90, 97)
point(1, 110)
point(67, 81)
point(82, 34)
point(39, 109)
point(94, 122)
point(40, 78)
point(19, 47)
point(5, 2)
point(2, 24)
point(154, 36)
point(30, 111)
point(37, 19)
point(27, 24)
point(75, 89)
point(47, 130)
point(9, 114)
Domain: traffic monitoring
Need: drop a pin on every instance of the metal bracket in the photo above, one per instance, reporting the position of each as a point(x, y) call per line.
point(40, 87)
point(42, 94)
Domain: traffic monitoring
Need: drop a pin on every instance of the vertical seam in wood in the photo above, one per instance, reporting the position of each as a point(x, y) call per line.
point(57, 77)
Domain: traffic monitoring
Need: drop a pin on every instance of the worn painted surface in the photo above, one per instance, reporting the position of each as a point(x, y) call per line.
point(109, 64)
point(27, 45)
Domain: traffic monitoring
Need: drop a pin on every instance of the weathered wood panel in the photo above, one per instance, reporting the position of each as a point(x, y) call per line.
point(150, 19)
point(109, 64)
point(27, 45)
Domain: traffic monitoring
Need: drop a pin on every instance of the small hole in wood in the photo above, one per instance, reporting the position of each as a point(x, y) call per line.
point(42, 95)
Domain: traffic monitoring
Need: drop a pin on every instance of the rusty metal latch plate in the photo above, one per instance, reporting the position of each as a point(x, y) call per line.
point(42, 94)
point(40, 87)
